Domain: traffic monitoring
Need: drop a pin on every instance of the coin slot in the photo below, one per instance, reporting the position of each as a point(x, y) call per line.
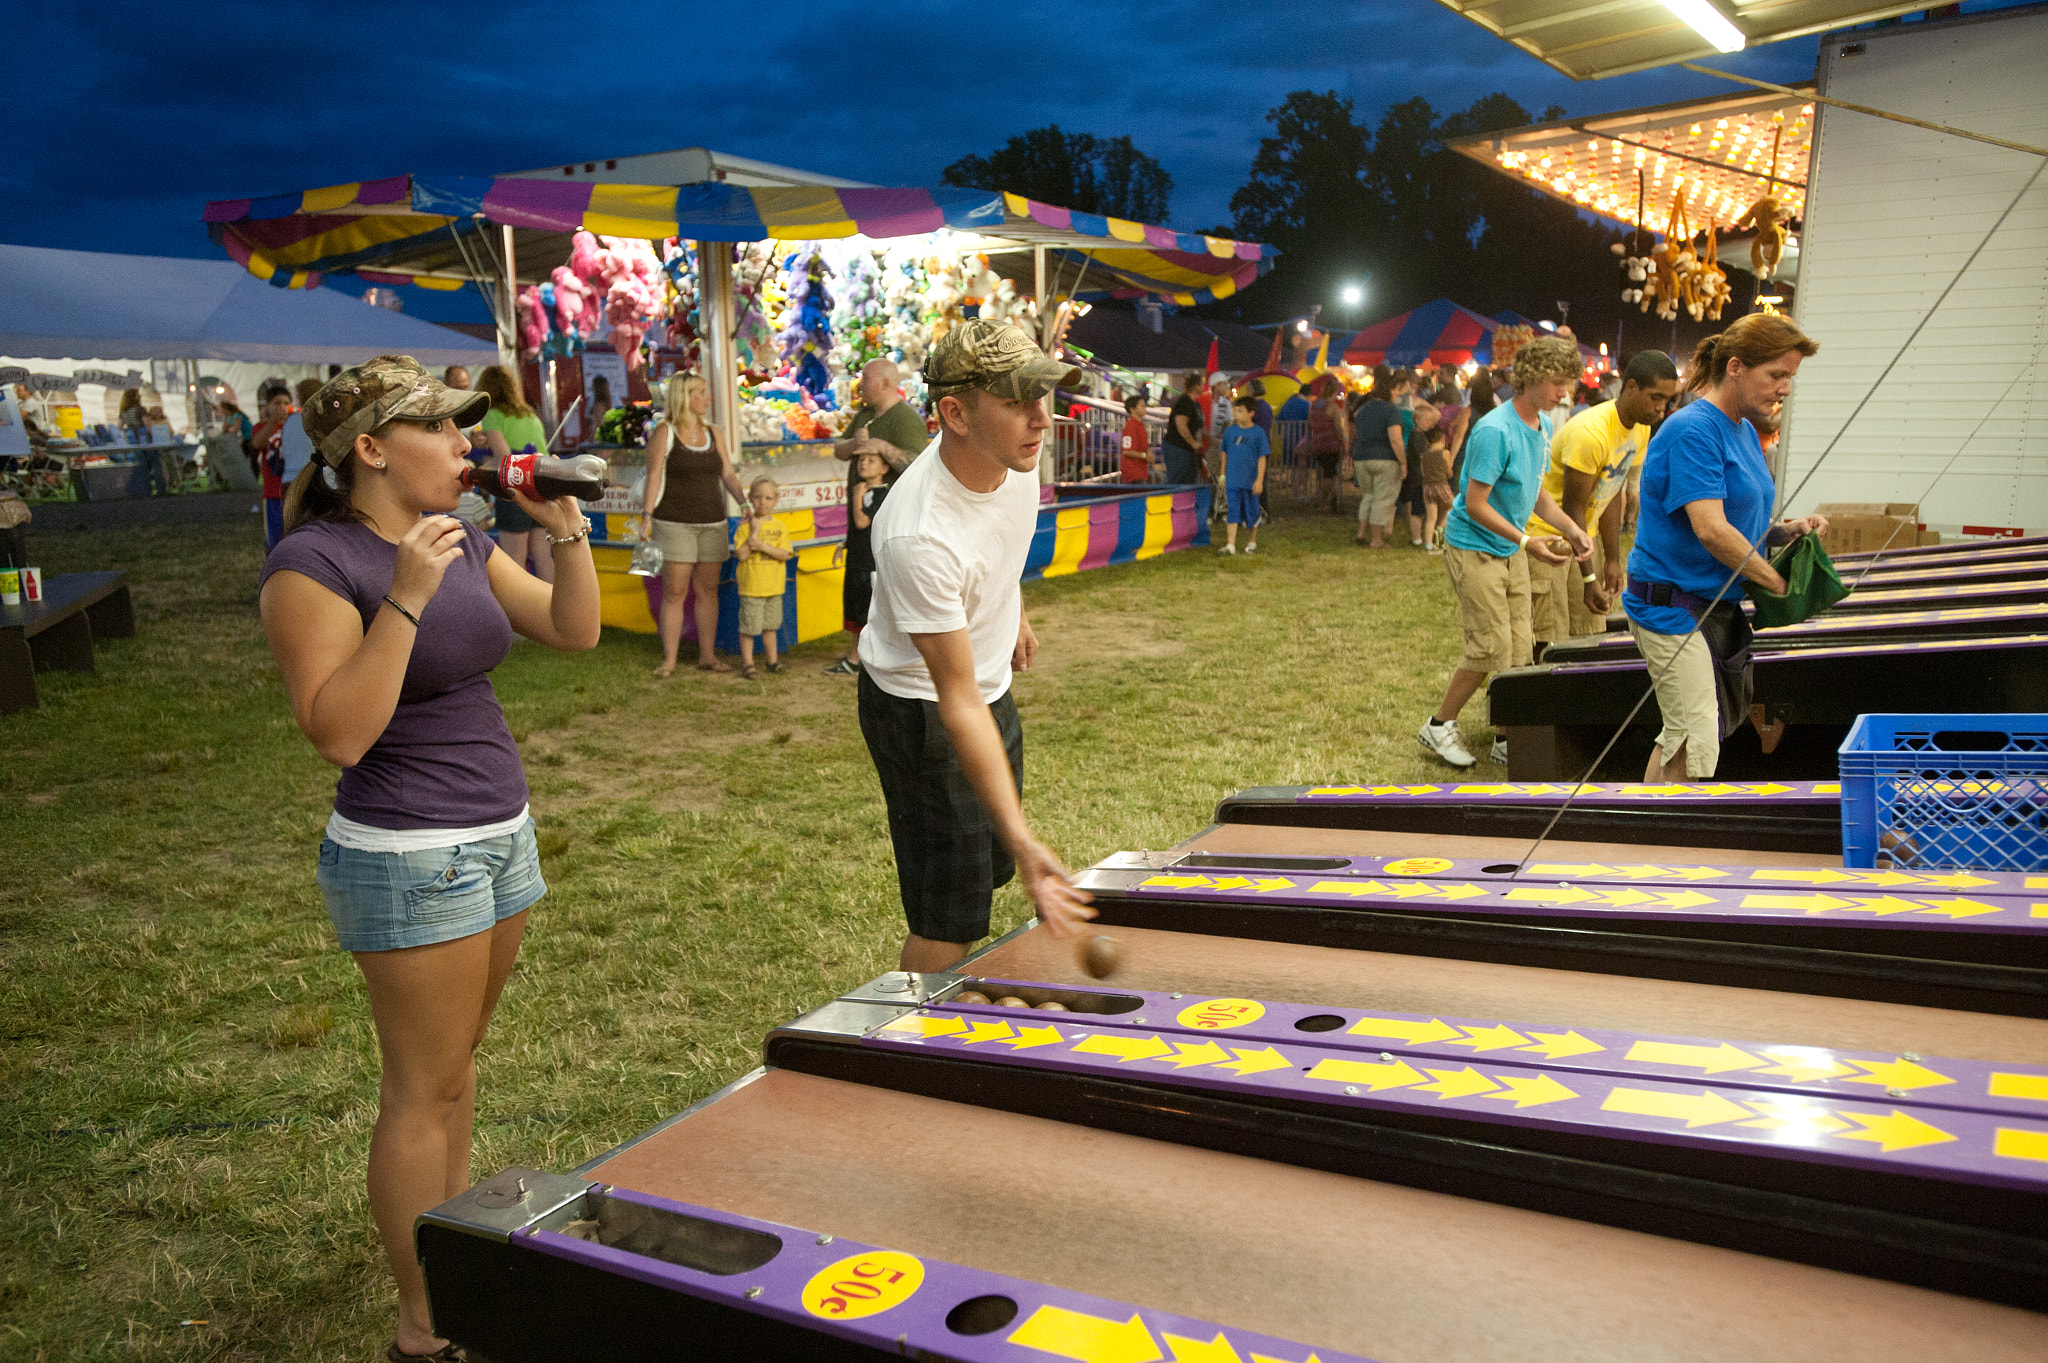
point(1500, 868)
point(1320, 1022)
point(981, 1315)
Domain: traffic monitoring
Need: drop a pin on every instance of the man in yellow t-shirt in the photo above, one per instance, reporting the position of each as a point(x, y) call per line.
point(762, 548)
point(1591, 457)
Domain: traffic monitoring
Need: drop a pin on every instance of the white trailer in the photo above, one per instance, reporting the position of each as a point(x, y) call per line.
point(1893, 212)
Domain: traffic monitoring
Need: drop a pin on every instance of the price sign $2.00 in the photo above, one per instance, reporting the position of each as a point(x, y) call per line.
point(863, 1285)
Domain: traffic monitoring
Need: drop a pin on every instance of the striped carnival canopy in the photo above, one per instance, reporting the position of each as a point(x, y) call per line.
point(433, 231)
point(1442, 332)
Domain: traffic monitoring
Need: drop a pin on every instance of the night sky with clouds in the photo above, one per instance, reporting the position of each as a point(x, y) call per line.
point(126, 119)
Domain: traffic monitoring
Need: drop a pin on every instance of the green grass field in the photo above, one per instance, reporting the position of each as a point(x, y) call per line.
point(188, 1070)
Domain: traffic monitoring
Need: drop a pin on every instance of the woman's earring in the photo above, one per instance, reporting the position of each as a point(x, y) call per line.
point(376, 466)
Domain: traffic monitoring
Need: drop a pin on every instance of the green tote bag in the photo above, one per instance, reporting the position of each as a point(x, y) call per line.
point(1811, 585)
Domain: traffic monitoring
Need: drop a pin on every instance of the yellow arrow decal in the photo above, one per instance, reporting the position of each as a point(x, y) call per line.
point(1027, 1037)
point(1622, 899)
point(1173, 882)
point(1255, 1062)
point(921, 1024)
point(1554, 1046)
point(987, 1031)
point(1704, 1108)
point(1800, 1063)
point(1266, 884)
point(1957, 880)
point(1554, 868)
point(2013, 1143)
point(1552, 894)
point(1897, 1074)
point(1894, 1131)
point(1124, 1048)
point(1883, 905)
point(1217, 1350)
point(1230, 883)
point(2018, 1086)
point(1795, 1114)
point(1208, 1053)
point(1459, 892)
point(1494, 1038)
point(1532, 1091)
point(1458, 1083)
point(1399, 1074)
point(1708, 1059)
point(1408, 889)
point(1684, 899)
point(1412, 1031)
point(1810, 903)
point(1823, 787)
point(1483, 790)
point(1957, 908)
point(1085, 1338)
point(1354, 888)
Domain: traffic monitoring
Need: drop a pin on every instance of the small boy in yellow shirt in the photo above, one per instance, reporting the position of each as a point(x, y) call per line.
point(762, 547)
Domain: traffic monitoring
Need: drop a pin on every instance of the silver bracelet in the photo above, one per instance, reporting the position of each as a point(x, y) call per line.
point(583, 533)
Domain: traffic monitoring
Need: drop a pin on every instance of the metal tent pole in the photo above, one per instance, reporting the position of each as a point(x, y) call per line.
point(508, 306)
point(721, 361)
point(1047, 311)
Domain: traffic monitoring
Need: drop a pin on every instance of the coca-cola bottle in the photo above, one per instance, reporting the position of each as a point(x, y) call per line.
point(541, 475)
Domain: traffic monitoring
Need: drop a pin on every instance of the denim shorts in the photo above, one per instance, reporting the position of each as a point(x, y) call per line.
point(381, 901)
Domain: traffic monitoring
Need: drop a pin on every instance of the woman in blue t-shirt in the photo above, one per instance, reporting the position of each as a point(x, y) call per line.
point(1706, 504)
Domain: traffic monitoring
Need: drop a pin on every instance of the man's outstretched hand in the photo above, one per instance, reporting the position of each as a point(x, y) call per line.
point(1063, 908)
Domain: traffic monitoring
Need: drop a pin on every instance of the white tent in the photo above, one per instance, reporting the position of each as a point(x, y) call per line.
point(79, 304)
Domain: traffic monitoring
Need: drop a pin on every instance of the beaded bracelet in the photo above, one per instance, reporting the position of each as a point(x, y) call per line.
point(583, 533)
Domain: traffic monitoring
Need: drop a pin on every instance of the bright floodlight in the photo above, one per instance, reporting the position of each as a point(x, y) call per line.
point(1353, 295)
point(1547, 324)
point(1709, 23)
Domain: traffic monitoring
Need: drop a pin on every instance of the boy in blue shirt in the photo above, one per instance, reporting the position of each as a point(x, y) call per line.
point(1506, 456)
point(1245, 450)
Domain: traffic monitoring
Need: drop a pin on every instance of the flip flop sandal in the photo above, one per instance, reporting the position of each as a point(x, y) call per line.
point(749, 672)
point(447, 1353)
point(775, 667)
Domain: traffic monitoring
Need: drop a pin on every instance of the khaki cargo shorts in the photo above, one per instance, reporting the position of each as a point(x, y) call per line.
point(687, 542)
point(760, 615)
point(1493, 604)
point(1683, 668)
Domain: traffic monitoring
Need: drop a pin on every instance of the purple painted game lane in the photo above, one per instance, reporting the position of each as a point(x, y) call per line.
point(1594, 793)
point(1904, 651)
point(1929, 1081)
point(900, 1303)
point(1898, 1137)
point(1788, 896)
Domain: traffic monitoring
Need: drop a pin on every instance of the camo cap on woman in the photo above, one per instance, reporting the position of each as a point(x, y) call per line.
point(364, 396)
point(996, 356)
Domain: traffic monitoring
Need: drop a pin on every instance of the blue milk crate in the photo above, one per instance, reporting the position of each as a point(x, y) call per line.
point(1946, 792)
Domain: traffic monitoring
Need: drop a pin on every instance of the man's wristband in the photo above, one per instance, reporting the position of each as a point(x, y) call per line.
point(1588, 578)
point(1524, 544)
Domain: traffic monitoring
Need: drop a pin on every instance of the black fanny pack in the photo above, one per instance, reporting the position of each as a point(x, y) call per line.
point(1724, 628)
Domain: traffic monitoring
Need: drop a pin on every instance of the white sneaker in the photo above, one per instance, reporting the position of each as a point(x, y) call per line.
point(1442, 739)
point(1251, 548)
point(1500, 752)
point(1228, 551)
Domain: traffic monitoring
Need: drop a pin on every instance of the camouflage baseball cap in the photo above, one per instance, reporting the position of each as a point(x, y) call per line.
point(364, 396)
point(996, 356)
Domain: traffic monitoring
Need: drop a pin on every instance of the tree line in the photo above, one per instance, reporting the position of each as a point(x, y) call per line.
point(1391, 208)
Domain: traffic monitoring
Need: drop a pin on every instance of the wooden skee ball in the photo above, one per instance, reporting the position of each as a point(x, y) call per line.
point(1011, 1001)
point(970, 996)
point(1099, 956)
point(1052, 1006)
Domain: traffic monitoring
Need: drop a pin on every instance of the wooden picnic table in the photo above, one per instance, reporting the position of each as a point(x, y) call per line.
point(57, 633)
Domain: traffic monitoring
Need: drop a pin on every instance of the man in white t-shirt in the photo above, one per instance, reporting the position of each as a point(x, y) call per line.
point(944, 631)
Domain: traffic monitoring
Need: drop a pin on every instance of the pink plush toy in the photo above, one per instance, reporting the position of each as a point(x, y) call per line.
point(630, 276)
point(533, 321)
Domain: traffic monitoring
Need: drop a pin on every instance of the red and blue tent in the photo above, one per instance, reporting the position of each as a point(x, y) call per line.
point(1442, 332)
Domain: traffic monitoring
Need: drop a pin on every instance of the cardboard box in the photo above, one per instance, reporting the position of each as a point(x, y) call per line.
point(1861, 527)
point(1930, 537)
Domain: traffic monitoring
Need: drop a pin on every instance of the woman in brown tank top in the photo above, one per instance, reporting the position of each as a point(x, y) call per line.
point(685, 516)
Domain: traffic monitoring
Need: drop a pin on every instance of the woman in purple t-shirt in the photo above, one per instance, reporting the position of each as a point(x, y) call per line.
point(386, 616)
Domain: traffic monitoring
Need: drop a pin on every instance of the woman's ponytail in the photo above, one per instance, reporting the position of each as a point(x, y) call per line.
point(320, 493)
point(1701, 374)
